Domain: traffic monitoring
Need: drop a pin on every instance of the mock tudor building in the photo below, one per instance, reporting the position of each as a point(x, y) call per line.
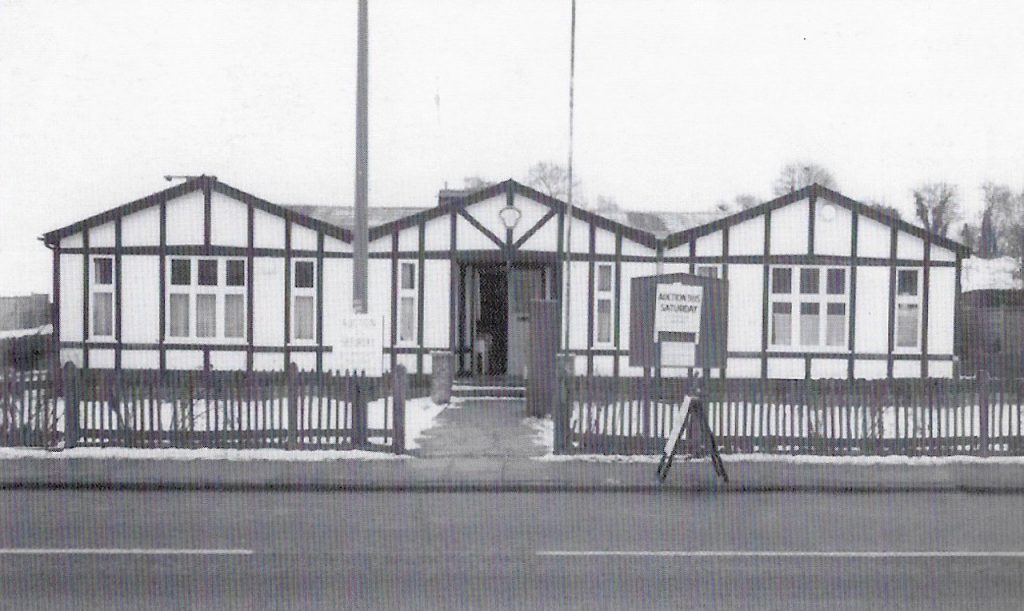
point(204, 275)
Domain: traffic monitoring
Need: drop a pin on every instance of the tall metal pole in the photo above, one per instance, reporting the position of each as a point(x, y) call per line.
point(568, 241)
point(360, 230)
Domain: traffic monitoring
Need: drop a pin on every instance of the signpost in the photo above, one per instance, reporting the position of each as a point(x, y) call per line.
point(359, 345)
point(680, 321)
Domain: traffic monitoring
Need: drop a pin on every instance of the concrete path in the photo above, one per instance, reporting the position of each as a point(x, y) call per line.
point(480, 428)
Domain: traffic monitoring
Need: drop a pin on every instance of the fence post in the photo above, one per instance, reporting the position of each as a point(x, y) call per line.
point(563, 408)
point(72, 393)
point(293, 405)
point(983, 408)
point(360, 406)
point(398, 381)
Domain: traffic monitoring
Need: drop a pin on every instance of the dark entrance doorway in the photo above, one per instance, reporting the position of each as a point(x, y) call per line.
point(492, 324)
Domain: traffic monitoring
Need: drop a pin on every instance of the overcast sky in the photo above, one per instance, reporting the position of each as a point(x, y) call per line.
point(679, 104)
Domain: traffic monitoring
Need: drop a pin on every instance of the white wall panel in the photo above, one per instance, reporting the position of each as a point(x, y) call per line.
point(72, 241)
point(909, 246)
point(782, 368)
point(436, 284)
point(872, 332)
point(577, 318)
point(409, 239)
point(532, 213)
point(227, 361)
point(941, 254)
point(71, 297)
point(71, 355)
point(303, 238)
point(268, 230)
point(604, 242)
point(140, 359)
point(101, 359)
point(941, 304)
point(872, 238)
point(870, 369)
point(141, 228)
point(103, 235)
point(940, 369)
point(746, 290)
point(305, 361)
point(486, 213)
point(185, 219)
point(828, 369)
point(631, 248)
point(545, 238)
point(906, 369)
point(580, 235)
point(789, 229)
point(268, 301)
point(140, 298)
point(332, 244)
point(229, 221)
point(379, 293)
point(683, 250)
point(710, 244)
point(438, 233)
point(832, 236)
point(630, 270)
point(268, 361)
point(469, 237)
point(747, 238)
point(743, 368)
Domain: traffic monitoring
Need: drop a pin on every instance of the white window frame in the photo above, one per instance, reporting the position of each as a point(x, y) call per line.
point(298, 292)
point(914, 300)
point(97, 288)
point(404, 292)
point(822, 298)
point(607, 295)
point(220, 291)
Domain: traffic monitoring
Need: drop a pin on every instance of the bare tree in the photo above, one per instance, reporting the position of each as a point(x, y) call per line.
point(472, 183)
point(969, 235)
point(1006, 209)
point(798, 174)
point(884, 208)
point(937, 206)
point(605, 203)
point(553, 179)
point(743, 201)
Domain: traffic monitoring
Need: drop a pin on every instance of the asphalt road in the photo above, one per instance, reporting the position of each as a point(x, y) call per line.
point(213, 550)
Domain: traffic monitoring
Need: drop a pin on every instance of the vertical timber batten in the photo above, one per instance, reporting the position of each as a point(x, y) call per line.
point(55, 368)
point(851, 329)
point(618, 302)
point(590, 299)
point(162, 307)
point(812, 206)
point(287, 293)
point(117, 294)
point(85, 297)
point(249, 289)
point(319, 301)
point(557, 285)
point(765, 296)
point(957, 323)
point(394, 299)
point(207, 211)
point(892, 300)
point(725, 276)
point(421, 294)
point(453, 281)
point(926, 295)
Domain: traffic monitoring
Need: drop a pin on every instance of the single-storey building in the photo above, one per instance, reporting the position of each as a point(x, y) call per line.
point(205, 275)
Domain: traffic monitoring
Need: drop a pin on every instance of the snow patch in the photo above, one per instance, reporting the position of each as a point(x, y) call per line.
point(264, 454)
point(543, 431)
point(420, 415)
point(43, 330)
point(998, 273)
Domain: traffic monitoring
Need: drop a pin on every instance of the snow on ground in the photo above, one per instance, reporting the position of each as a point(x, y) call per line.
point(420, 415)
point(995, 273)
point(866, 461)
point(543, 431)
point(200, 454)
point(43, 330)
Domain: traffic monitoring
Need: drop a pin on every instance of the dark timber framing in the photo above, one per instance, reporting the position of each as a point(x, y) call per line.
point(162, 312)
point(893, 236)
point(117, 293)
point(319, 300)
point(851, 330)
point(250, 280)
point(925, 295)
point(55, 367)
point(394, 299)
point(766, 295)
point(86, 293)
point(287, 293)
point(207, 213)
point(420, 290)
point(453, 297)
point(618, 301)
point(592, 240)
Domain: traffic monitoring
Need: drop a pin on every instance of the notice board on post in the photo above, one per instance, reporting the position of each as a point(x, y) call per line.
point(357, 344)
point(683, 317)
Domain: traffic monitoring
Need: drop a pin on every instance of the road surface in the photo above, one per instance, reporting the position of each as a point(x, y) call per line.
point(94, 549)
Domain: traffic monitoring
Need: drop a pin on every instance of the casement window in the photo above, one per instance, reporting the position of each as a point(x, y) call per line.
point(209, 291)
point(303, 300)
point(708, 271)
point(407, 301)
point(818, 296)
point(908, 308)
point(603, 303)
point(103, 296)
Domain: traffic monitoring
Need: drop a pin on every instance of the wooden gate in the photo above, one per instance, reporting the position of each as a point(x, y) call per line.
point(542, 381)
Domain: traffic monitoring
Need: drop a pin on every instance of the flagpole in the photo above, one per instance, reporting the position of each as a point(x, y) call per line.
point(568, 241)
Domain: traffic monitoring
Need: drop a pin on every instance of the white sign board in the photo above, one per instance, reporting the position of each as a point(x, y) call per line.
point(678, 354)
point(358, 345)
point(677, 428)
point(677, 309)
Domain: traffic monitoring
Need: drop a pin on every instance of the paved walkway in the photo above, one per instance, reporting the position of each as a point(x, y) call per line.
point(480, 428)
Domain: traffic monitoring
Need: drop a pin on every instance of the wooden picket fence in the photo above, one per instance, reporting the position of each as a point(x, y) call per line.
point(28, 413)
point(213, 409)
point(912, 417)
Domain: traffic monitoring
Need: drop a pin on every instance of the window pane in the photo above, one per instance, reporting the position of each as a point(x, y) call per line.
point(181, 272)
point(234, 316)
point(604, 320)
point(836, 281)
point(236, 273)
point(303, 317)
point(782, 280)
point(407, 319)
point(304, 274)
point(179, 316)
point(906, 325)
point(809, 281)
point(604, 277)
point(104, 271)
point(206, 315)
point(782, 324)
point(809, 324)
point(708, 271)
point(835, 325)
point(408, 276)
point(907, 284)
point(102, 314)
point(207, 272)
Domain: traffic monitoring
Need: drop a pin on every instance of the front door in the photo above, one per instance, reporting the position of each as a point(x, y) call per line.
point(524, 285)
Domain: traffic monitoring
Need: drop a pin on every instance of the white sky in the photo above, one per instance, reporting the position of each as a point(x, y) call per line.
point(679, 104)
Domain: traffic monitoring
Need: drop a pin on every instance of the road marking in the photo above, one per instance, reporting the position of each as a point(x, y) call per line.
point(777, 554)
point(119, 551)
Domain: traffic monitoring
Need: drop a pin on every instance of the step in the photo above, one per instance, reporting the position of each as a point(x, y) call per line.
point(501, 392)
